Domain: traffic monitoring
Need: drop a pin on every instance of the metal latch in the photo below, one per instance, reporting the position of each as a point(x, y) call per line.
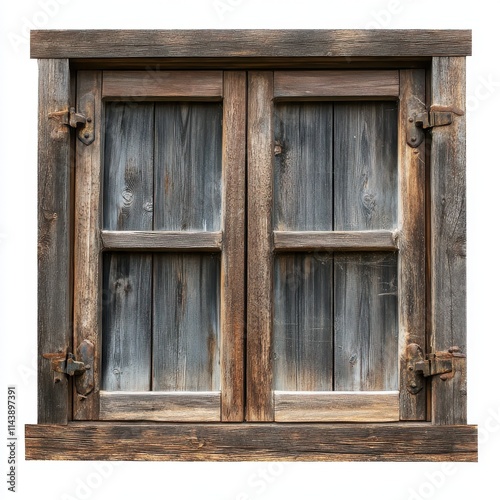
point(437, 116)
point(436, 363)
point(81, 368)
point(82, 121)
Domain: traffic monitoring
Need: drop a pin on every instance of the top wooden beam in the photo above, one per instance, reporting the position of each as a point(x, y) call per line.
point(202, 44)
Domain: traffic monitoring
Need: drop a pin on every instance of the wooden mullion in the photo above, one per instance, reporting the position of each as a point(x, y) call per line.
point(412, 289)
point(54, 238)
point(335, 241)
point(260, 261)
point(87, 265)
point(448, 240)
point(233, 254)
point(199, 241)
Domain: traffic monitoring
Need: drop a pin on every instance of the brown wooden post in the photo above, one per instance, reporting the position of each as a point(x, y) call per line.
point(54, 238)
point(448, 239)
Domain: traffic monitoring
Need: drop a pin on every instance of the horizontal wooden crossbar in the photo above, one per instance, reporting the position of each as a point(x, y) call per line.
point(248, 43)
point(161, 406)
point(336, 406)
point(335, 240)
point(199, 241)
point(408, 442)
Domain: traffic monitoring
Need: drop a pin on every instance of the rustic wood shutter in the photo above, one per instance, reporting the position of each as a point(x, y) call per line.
point(160, 221)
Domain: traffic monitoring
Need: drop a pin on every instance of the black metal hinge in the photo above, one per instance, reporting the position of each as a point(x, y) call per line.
point(420, 367)
point(418, 122)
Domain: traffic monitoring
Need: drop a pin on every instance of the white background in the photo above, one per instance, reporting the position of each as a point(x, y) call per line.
point(239, 481)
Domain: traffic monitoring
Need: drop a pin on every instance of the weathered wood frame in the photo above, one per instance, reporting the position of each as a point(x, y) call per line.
point(442, 55)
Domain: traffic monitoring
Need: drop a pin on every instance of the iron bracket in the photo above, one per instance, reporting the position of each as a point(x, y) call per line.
point(419, 122)
point(436, 363)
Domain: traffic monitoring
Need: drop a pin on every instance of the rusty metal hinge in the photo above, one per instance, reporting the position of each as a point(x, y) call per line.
point(436, 363)
point(437, 116)
point(82, 367)
point(82, 121)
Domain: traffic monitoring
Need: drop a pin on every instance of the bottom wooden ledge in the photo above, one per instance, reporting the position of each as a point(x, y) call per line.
point(401, 442)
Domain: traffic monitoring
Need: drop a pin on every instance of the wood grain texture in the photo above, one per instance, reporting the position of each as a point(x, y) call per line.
point(162, 240)
point(303, 322)
point(448, 238)
point(412, 277)
point(161, 406)
point(128, 166)
point(259, 253)
point(256, 442)
point(327, 84)
point(126, 322)
point(160, 85)
point(54, 238)
point(233, 257)
point(335, 240)
point(87, 260)
point(303, 166)
point(185, 323)
point(365, 139)
point(248, 43)
point(188, 158)
point(338, 406)
point(366, 322)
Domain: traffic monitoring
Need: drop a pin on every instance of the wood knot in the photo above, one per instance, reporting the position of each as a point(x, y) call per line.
point(127, 196)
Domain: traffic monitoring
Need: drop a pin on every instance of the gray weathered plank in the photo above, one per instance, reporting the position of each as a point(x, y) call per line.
point(327, 84)
point(366, 322)
point(126, 322)
point(259, 252)
point(335, 240)
point(412, 278)
point(54, 238)
point(162, 240)
point(303, 166)
point(185, 322)
point(248, 43)
point(188, 158)
point(337, 406)
point(233, 255)
point(303, 322)
point(161, 85)
point(365, 165)
point(229, 442)
point(87, 256)
point(161, 406)
point(128, 166)
point(448, 239)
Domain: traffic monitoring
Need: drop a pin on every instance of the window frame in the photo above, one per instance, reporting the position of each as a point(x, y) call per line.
point(441, 53)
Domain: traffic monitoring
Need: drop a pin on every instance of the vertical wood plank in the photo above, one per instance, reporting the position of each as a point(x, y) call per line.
point(448, 239)
point(128, 166)
point(188, 157)
point(87, 303)
point(412, 289)
point(365, 165)
point(303, 166)
point(54, 237)
point(233, 253)
point(260, 261)
point(126, 324)
point(186, 322)
point(303, 323)
point(366, 322)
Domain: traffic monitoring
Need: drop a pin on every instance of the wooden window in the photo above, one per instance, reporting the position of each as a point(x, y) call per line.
point(252, 258)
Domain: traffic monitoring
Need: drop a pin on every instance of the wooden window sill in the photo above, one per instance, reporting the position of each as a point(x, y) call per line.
point(394, 442)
